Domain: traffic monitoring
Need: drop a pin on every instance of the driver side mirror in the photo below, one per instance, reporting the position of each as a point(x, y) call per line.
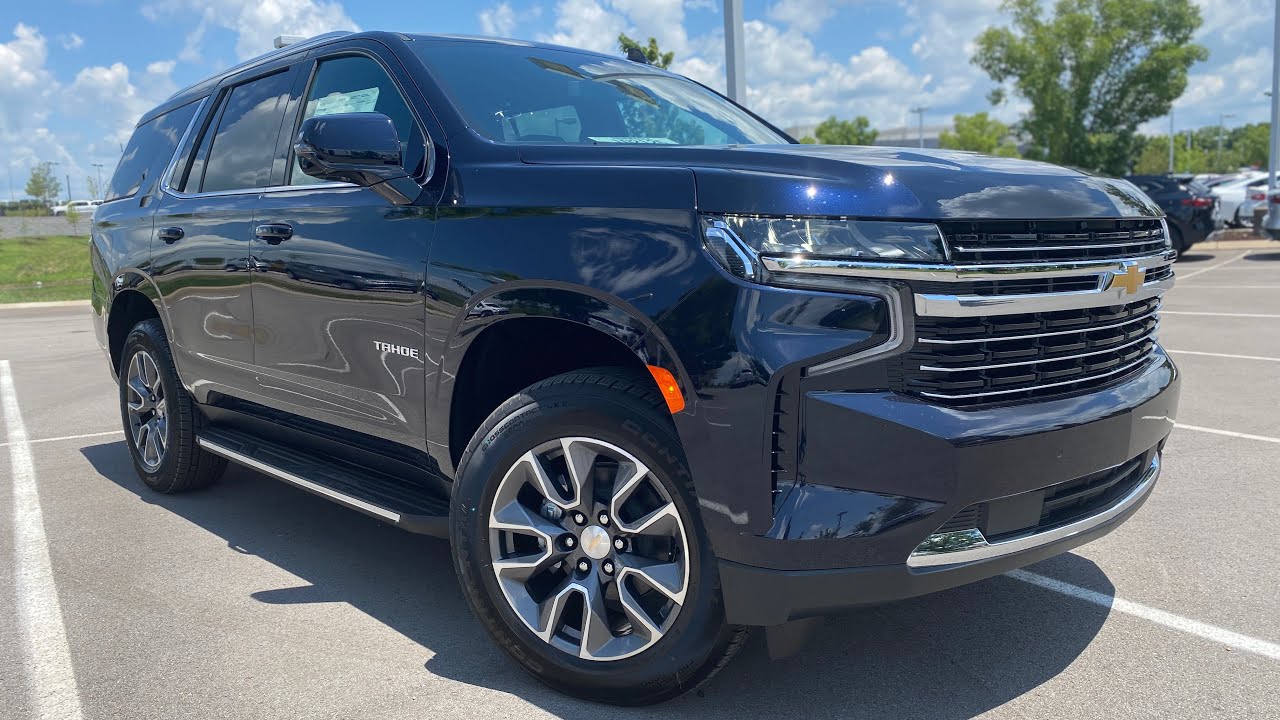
point(359, 148)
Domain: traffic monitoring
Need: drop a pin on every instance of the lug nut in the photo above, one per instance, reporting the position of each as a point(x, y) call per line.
point(568, 541)
point(583, 566)
point(580, 518)
point(604, 519)
point(607, 566)
point(620, 544)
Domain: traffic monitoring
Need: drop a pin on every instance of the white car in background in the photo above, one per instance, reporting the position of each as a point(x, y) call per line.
point(1232, 193)
point(84, 207)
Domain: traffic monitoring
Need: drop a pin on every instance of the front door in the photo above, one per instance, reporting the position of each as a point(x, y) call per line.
point(337, 293)
point(201, 253)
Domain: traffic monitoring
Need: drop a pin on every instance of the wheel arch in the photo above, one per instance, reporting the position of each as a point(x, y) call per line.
point(135, 298)
point(488, 358)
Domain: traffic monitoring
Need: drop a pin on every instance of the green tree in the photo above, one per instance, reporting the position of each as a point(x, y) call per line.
point(1250, 144)
point(857, 131)
point(43, 184)
point(655, 56)
point(646, 116)
point(96, 188)
point(808, 140)
point(981, 133)
point(1093, 71)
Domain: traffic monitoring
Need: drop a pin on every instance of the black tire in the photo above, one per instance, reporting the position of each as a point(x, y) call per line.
point(625, 410)
point(1177, 240)
point(184, 465)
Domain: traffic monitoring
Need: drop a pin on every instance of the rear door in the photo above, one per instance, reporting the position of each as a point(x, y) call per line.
point(201, 252)
point(337, 292)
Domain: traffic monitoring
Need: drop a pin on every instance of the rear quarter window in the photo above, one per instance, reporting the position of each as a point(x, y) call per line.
point(149, 151)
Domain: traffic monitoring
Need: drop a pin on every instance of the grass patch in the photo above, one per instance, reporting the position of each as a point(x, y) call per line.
point(39, 269)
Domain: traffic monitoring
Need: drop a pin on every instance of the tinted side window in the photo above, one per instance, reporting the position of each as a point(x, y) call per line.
point(149, 151)
point(359, 84)
point(245, 140)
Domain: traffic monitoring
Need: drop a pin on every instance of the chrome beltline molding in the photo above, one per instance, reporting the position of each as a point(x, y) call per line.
point(930, 305)
point(973, 547)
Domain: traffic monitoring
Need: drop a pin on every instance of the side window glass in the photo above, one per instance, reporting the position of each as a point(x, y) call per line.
point(150, 149)
point(359, 84)
point(242, 146)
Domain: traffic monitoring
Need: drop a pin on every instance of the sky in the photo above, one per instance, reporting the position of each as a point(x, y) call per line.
point(75, 75)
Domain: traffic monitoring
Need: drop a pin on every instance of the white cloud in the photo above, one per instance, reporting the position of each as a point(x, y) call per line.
point(71, 41)
point(586, 24)
point(256, 22)
point(803, 15)
point(499, 20)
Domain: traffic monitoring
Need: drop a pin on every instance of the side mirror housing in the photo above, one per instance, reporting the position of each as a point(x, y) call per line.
point(359, 148)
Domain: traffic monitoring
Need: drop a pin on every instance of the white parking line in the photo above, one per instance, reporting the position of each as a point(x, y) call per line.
point(1160, 617)
point(1223, 355)
point(1213, 314)
point(1182, 286)
point(48, 658)
point(1190, 275)
point(68, 437)
point(1228, 433)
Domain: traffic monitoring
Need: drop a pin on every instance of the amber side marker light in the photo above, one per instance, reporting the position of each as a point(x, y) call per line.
point(667, 386)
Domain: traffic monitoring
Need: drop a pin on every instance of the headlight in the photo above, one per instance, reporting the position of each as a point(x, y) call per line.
point(738, 242)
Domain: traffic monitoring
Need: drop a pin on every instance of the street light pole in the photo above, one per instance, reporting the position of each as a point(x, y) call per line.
point(1170, 141)
point(1273, 156)
point(735, 64)
point(99, 168)
point(919, 110)
point(1222, 118)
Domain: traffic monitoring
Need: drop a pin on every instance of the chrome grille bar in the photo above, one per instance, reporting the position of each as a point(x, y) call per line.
point(1144, 338)
point(1038, 386)
point(1145, 316)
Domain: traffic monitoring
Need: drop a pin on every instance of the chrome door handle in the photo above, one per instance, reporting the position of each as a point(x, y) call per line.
point(274, 233)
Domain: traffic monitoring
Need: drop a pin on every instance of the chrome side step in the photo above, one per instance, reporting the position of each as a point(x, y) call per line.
point(403, 502)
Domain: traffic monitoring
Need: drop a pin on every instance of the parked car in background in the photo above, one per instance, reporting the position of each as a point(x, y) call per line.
point(1233, 192)
point(1188, 207)
point(1253, 210)
point(1271, 221)
point(84, 207)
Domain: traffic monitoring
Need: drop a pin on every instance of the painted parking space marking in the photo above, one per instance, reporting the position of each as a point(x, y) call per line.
point(1223, 355)
point(44, 637)
point(1201, 271)
point(1199, 629)
point(1227, 433)
point(1218, 314)
point(61, 438)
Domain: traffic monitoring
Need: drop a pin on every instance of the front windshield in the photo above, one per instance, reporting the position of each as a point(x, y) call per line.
point(520, 94)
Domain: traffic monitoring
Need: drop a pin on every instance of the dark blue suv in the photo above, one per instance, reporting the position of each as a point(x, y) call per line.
point(659, 373)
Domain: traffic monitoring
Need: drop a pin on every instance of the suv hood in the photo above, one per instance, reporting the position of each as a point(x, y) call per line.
point(870, 181)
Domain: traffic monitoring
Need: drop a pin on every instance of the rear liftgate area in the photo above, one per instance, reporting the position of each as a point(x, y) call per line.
point(401, 501)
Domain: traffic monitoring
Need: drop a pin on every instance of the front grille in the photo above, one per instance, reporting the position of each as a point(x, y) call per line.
point(1014, 286)
point(1031, 241)
point(1004, 358)
point(1058, 504)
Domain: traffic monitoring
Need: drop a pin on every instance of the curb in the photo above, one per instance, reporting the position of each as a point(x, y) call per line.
point(38, 305)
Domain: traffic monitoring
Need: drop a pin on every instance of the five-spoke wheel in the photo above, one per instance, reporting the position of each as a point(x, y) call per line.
point(148, 419)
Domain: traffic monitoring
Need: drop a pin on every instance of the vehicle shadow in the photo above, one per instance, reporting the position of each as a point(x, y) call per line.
point(953, 654)
point(1271, 256)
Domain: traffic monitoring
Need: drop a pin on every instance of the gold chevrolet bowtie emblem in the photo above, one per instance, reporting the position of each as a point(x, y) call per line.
point(1129, 279)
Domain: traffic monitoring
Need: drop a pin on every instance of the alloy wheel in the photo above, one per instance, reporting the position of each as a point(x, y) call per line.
point(588, 548)
point(148, 411)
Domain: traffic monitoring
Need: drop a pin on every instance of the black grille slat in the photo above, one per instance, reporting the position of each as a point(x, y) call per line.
point(1053, 241)
point(1000, 358)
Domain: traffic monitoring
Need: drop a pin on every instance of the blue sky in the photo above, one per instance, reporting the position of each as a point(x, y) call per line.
point(76, 74)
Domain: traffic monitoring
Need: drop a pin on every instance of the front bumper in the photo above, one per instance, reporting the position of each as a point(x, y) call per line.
point(882, 473)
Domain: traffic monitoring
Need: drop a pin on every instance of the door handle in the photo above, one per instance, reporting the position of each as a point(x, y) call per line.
point(274, 233)
point(170, 235)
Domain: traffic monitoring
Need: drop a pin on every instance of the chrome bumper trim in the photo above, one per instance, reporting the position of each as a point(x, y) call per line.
point(955, 548)
point(929, 305)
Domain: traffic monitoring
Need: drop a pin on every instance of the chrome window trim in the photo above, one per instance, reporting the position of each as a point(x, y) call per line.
point(941, 272)
point(973, 550)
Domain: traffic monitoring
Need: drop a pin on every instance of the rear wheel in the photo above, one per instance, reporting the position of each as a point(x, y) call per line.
point(1176, 239)
point(160, 418)
point(579, 546)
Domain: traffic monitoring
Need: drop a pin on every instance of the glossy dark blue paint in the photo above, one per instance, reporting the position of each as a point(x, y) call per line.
point(607, 240)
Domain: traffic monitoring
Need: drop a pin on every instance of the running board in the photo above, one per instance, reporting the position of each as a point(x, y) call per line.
point(404, 502)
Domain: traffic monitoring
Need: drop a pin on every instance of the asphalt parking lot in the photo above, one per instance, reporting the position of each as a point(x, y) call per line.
point(254, 599)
